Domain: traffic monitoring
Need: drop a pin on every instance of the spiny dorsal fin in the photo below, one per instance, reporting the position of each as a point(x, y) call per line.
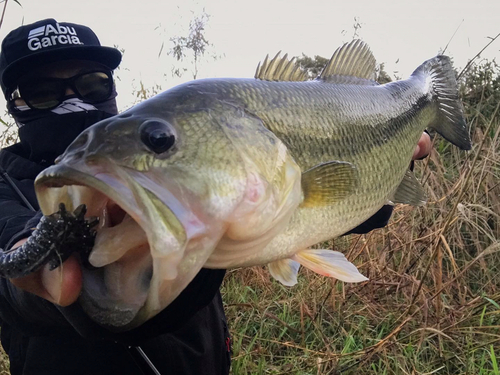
point(280, 69)
point(353, 63)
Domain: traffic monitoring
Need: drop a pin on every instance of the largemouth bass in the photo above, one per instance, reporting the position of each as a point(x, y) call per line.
point(226, 173)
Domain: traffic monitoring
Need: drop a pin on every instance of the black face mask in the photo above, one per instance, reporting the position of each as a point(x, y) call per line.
point(45, 135)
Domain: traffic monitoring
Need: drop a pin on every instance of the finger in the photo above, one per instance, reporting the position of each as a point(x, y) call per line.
point(64, 283)
point(61, 286)
point(423, 147)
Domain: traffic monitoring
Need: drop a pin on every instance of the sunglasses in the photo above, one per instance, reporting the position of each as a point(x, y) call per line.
point(48, 93)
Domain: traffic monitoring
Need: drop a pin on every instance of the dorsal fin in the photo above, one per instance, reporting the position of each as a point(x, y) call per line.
point(352, 63)
point(280, 69)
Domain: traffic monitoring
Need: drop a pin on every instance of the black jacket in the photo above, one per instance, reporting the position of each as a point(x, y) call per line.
point(189, 337)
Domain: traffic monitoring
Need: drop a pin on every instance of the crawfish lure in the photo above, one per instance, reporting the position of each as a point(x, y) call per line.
point(54, 239)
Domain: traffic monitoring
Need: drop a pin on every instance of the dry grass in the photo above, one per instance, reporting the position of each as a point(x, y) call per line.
point(4, 363)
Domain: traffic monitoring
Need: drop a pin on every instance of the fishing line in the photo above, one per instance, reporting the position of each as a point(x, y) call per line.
point(13, 186)
point(147, 360)
point(142, 360)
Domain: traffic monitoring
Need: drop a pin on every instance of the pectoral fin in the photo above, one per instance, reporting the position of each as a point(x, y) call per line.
point(330, 263)
point(328, 183)
point(409, 191)
point(285, 271)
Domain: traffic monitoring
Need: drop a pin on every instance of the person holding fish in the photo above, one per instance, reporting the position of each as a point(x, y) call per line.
point(78, 318)
point(58, 80)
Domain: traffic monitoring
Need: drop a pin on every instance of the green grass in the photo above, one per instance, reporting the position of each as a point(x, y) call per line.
point(324, 327)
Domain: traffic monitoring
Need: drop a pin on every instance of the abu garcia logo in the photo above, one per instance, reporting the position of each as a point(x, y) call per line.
point(48, 36)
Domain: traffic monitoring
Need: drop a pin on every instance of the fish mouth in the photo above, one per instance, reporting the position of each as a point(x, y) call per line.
point(129, 273)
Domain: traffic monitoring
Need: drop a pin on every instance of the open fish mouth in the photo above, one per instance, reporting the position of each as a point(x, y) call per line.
point(118, 274)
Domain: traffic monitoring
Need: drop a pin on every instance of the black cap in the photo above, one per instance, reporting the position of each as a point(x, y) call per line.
point(48, 41)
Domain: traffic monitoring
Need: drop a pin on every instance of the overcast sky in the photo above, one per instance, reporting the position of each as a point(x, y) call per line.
point(402, 34)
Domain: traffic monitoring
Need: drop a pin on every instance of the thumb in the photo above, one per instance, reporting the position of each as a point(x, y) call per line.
point(64, 283)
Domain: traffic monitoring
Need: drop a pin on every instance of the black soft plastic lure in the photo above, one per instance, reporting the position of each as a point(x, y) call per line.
point(54, 239)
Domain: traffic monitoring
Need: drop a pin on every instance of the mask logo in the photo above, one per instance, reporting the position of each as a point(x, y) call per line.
point(50, 35)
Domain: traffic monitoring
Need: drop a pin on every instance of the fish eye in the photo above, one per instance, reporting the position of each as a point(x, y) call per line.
point(157, 136)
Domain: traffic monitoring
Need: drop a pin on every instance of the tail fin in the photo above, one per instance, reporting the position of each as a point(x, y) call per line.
point(450, 121)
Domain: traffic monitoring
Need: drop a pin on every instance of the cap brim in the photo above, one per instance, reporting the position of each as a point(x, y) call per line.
point(108, 56)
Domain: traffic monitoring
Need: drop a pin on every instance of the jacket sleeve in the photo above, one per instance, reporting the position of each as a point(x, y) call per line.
point(378, 220)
